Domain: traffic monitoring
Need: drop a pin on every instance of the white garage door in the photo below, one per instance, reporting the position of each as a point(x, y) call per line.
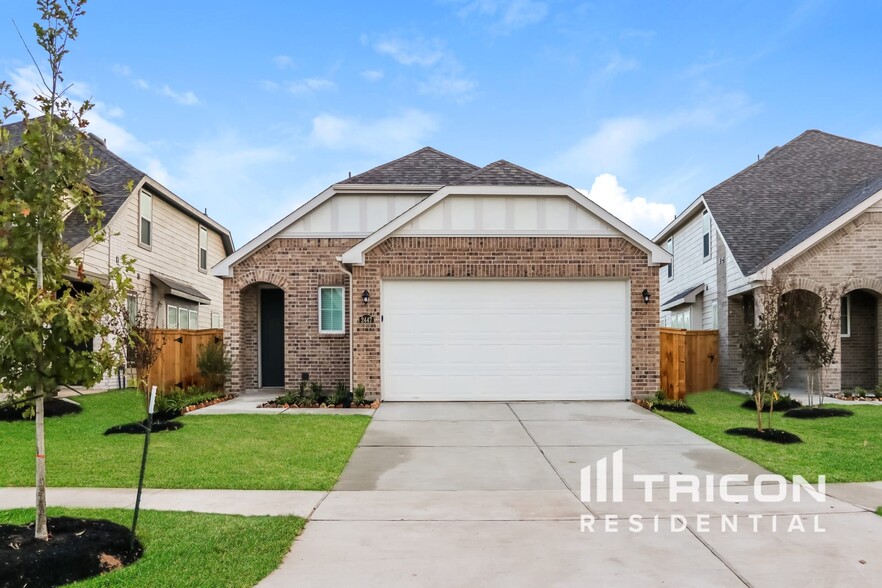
point(505, 340)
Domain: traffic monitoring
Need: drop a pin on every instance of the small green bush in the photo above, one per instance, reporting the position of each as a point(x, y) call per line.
point(847, 393)
point(860, 392)
point(171, 404)
point(358, 395)
point(214, 364)
point(341, 396)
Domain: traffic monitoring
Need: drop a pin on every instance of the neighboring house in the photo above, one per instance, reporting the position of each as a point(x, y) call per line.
point(429, 278)
point(810, 211)
point(173, 244)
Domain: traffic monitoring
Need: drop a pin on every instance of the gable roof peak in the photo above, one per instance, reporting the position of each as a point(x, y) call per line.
point(505, 173)
point(425, 166)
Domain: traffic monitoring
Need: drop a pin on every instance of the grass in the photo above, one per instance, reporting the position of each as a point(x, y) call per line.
point(190, 549)
point(262, 452)
point(845, 449)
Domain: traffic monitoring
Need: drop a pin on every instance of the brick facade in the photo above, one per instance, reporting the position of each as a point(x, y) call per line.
point(849, 258)
point(510, 257)
point(298, 267)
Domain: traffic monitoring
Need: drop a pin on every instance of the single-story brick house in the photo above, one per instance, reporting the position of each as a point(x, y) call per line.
point(429, 278)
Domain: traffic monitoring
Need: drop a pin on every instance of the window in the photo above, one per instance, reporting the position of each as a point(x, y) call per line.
point(203, 248)
point(172, 320)
point(215, 320)
point(715, 323)
point(183, 318)
point(670, 248)
point(331, 310)
point(705, 234)
point(681, 320)
point(132, 308)
point(146, 211)
point(845, 316)
point(194, 320)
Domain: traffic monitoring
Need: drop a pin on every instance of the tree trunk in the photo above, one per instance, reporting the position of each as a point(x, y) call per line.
point(41, 530)
point(758, 400)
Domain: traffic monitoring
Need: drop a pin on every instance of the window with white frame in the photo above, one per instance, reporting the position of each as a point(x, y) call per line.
point(714, 318)
point(845, 316)
point(331, 309)
point(183, 318)
point(146, 213)
point(705, 234)
point(132, 308)
point(670, 247)
point(203, 248)
point(682, 319)
point(171, 321)
point(194, 320)
point(215, 320)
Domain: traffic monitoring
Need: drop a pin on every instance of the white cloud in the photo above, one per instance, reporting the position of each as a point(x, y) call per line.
point(412, 51)
point(645, 216)
point(506, 15)
point(393, 134)
point(187, 98)
point(614, 145)
point(618, 64)
point(372, 75)
point(184, 98)
point(443, 85)
point(283, 61)
point(309, 85)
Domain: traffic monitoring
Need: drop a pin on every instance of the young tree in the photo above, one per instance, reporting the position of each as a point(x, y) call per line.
point(816, 337)
point(45, 323)
point(766, 349)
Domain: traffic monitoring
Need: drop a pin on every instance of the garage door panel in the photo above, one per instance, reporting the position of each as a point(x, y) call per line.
point(505, 340)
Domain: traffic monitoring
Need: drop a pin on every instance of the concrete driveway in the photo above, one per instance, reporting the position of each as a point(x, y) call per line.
point(487, 494)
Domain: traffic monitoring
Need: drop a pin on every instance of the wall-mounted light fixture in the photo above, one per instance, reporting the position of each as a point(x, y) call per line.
point(365, 296)
point(645, 296)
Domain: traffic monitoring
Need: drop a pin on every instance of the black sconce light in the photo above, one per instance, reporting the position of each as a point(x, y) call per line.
point(645, 296)
point(365, 296)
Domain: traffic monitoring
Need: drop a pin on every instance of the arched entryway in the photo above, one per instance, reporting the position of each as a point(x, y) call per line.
point(859, 339)
point(261, 354)
point(801, 309)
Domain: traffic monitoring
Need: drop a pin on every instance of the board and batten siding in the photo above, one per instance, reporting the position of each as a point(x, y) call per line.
point(691, 268)
point(506, 215)
point(355, 215)
point(173, 253)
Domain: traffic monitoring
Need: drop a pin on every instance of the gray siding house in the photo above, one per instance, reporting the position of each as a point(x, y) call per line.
point(810, 211)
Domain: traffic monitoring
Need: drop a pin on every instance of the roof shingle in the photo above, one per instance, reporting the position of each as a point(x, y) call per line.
point(795, 190)
point(425, 167)
point(504, 173)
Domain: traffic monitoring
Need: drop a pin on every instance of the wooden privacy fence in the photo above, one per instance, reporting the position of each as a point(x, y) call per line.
point(179, 350)
point(689, 361)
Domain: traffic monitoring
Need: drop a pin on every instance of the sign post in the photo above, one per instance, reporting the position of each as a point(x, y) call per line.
point(148, 427)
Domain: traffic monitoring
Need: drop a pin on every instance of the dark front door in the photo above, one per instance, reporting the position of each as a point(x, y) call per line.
point(272, 338)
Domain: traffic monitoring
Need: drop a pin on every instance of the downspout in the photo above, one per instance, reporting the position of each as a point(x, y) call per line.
point(351, 317)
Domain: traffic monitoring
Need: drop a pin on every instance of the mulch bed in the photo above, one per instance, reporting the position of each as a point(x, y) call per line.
point(218, 400)
point(817, 413)
point(77, 549)
point(773, 435)
point(680, 407)
point(781, 404)
point(141, 428)
point(375, 404)
point(53, 407)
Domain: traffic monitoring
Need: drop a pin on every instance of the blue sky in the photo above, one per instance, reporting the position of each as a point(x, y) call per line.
point(251, 108)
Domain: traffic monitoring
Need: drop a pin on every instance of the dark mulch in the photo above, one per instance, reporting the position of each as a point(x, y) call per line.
point(773, 435)
point(781, 404)
point(817, 413)
point(674, 407)
point(77, 549)
point(53, 407)
point(141, 428)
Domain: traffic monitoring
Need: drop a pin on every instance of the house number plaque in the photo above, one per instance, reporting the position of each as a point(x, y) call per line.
point(366, 319)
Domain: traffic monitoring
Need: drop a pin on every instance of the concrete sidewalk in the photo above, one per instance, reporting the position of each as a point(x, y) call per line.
point(238, 502)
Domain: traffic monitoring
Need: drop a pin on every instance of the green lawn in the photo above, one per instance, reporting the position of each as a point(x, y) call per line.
point(845, 449)
point(266, 452)
point(190, 549)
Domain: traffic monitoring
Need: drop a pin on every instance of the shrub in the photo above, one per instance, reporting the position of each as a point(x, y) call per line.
point(358, 395)
point(847, 393)
point(341, 395)
point(673, 406)
point(214, 364)
point(878, 391)
point(860, 392)
point(170, 405)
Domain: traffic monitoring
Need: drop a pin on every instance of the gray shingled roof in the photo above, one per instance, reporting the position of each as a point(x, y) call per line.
point(504, 173)
point(426, 166)
point(109, 183)
point(779, 201)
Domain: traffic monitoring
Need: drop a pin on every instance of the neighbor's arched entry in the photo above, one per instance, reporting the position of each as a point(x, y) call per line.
point(859, 339)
